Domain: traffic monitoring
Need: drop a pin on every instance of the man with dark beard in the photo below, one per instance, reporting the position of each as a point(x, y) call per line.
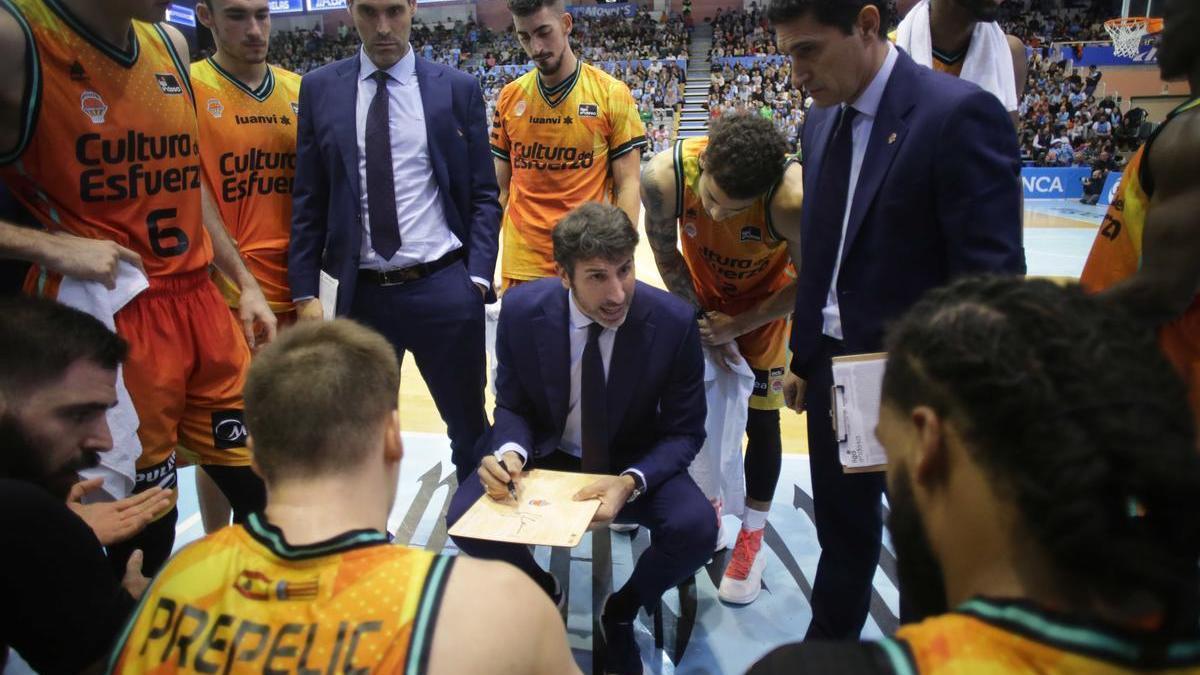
point(1042, 480)
point(961, 38)
point(58, 373)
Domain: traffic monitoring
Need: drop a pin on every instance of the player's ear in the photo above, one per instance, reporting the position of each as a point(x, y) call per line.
point(204, 14)
point(393, 447)
point(568, 22)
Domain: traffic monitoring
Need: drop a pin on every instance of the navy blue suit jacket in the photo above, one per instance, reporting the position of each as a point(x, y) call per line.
point(938, 196)
point(326, 201)
point(656, 405)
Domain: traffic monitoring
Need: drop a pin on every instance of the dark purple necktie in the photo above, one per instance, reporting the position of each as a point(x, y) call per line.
point(593, 404)
point(381, 186)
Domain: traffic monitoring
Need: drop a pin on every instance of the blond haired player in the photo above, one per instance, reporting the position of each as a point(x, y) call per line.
point(98, 139)
point(247, 116)
point(564, 133)
point(312, 584)
point(736, 198)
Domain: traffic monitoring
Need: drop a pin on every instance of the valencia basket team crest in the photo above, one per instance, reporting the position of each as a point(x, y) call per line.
point(215, 108)
point(93, 106)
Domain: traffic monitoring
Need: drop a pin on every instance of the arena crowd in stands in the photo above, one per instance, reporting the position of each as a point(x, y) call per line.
point(764, 89)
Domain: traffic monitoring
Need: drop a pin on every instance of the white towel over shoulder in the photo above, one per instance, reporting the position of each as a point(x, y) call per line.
point(989, 61)
point(117, 465)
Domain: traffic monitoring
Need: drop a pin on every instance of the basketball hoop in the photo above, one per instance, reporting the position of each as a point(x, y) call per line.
point(1127, 33)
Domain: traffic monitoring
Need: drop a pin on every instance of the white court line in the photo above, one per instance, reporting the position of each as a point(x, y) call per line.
point(187, 524)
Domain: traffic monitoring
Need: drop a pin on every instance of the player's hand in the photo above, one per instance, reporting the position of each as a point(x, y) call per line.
point(728, 355)
point(114, 522)
point(613, 492)
point(793, 391)
point(495, 475)
point(258, 321)
point(134, 582)
point(89, 259)
point(717, 328)
point(310, 310)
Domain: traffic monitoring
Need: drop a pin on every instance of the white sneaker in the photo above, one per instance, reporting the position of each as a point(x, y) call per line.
point(622, 527)
point(743, 577)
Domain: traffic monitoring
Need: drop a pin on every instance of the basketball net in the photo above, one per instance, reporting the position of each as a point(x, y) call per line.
point(1126, 34)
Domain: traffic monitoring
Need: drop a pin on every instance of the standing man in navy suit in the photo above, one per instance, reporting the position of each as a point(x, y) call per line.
point(913, 179)
point(396, 197)
point(599, 373)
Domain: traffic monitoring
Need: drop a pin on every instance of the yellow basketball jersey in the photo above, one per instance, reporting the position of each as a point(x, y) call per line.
point(559, 142)
point(248, 143)
point(243, 600)
point(108, 139)
point(985, 637)
point(733, 262)
point(1116, 255)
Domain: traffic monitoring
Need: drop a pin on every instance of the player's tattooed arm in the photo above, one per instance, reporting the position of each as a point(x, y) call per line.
point(658, 196)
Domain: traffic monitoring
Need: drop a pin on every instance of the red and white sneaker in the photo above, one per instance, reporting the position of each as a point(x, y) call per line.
point(743, 577)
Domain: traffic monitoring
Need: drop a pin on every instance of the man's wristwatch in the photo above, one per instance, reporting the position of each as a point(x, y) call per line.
point(639, 487)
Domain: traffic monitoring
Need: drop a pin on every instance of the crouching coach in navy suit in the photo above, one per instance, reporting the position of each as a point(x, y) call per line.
point(600, 373)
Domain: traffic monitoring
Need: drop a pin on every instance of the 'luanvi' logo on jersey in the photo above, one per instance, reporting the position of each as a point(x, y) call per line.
point(168, 83)
point(588, 110)
point(77, 72)
point(215, 108)
point(93, 106)
point(751, 233)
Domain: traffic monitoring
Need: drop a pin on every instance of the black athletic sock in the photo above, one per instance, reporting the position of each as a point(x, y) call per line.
point(622, 606)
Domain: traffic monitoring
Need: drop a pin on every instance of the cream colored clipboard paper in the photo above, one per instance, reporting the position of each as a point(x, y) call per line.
point(545, 513)
point(857, 387)
point(327, 293)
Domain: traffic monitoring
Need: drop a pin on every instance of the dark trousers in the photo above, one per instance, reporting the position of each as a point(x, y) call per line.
point(682, 528)
point(240, 485)
point(848, 514)
point(440, 320)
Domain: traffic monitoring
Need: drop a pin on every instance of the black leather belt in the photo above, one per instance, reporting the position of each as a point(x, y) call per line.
point(411, 273)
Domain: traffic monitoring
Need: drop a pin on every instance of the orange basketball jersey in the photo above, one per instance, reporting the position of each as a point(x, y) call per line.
point(248, 139)
point(559, 142)
point(732, 261)
point(108, 145)
point(244, 600)
point(997, 637)
point(1116, 255)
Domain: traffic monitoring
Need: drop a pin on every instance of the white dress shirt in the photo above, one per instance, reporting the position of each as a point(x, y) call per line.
point(425, 236)
point(867, 106)
point(572, 438)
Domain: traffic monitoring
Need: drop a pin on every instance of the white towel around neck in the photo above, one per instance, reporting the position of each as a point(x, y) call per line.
point(989, 61)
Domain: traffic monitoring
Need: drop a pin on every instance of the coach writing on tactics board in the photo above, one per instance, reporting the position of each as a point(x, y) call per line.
point(599, 372)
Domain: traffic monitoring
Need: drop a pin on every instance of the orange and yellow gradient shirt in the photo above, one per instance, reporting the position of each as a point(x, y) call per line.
point(560, 142)
point(248, 144)
point(243, 600)
point(733, 262)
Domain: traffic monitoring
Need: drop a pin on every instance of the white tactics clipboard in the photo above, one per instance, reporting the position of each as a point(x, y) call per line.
point(857, 388)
